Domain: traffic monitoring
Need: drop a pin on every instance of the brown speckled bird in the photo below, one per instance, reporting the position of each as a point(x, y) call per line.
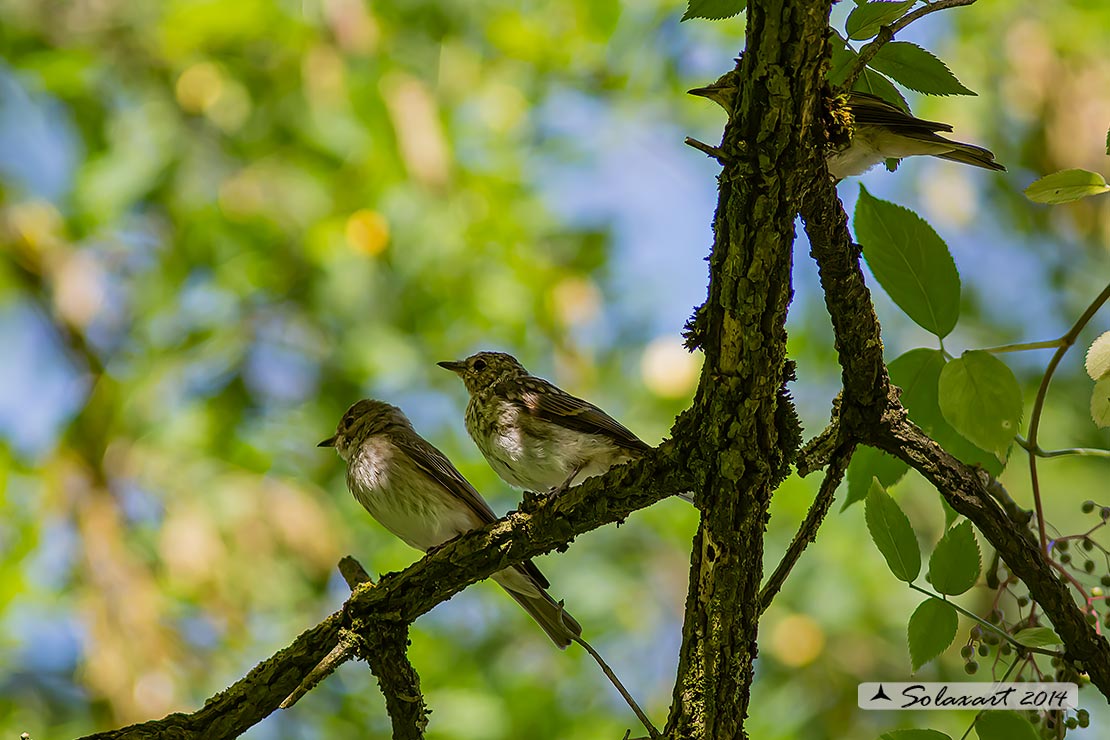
point(534, 434)
point(415, 492)
point(880, 131)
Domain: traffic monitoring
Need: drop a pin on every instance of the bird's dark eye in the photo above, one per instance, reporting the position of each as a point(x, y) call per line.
point(479, 365)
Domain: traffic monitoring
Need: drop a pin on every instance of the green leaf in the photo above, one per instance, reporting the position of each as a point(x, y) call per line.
point(867, 464)
point(962, 449)
point(954, 565)
point(873, 82)
point(892, 534)
point(1098, 357)
point(864, 21)
point(950, 514)
point(917, 373)
point(932, 629)
point(910, 261)
point(1108, 142)
point(1004, 726)
point(1038, 637)
point(714, 9)
point(1100, 403)
point(1065, 186)
point(980, 397)
point(917, 69)
point(842, 58)
point(914, 735)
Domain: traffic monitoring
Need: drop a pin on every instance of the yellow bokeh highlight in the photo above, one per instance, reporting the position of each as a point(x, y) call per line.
point(797, 640)
point(199, 87)
point(575, 301)
point(667, 369)
point(367, 232)
point(36, 223)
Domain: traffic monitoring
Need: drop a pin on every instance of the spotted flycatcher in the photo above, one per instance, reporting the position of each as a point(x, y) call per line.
point(534, 434)
point(415, 492)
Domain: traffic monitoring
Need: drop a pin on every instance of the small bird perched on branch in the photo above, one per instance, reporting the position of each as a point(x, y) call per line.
point(415, 492)
point(534, 434)
point(878, 131)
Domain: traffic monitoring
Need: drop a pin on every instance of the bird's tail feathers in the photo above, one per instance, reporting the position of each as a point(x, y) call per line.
point(973, 155)
point(559, 625)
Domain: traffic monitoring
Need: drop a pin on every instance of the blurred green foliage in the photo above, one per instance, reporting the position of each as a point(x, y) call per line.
point(222, 223)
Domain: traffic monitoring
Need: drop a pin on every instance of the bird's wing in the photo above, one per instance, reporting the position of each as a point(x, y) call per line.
point(550, 403)
point(871, 110)
point(439, 468)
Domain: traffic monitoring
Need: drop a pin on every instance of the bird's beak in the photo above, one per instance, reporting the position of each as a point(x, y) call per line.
point(722, 96)
point(456, 367)
point(329, 442)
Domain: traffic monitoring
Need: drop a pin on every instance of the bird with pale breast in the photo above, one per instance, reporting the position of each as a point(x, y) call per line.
point(534, 434)
point(415, 492)
point(879, 131)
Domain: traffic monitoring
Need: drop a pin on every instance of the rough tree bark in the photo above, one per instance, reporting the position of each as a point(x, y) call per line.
point(742, 433)
point(732, 447)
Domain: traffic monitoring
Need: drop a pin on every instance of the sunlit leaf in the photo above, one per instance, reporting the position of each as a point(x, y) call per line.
point(917, 69)
point(714, 9)
point(980, 397)
point(954, 566)
point(892, 534)
point(864, 20)
point(910, 261)
point(1098, 357)
point(1065, 186)
point(931, 630)
point(1038, 637)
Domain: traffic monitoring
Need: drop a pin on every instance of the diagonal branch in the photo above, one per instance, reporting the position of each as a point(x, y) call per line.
point(966, 490)
point(549, 524)
point(807, 532)
point(873, 415)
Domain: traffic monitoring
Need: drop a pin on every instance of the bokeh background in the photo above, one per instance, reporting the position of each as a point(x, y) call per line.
point(222, 223)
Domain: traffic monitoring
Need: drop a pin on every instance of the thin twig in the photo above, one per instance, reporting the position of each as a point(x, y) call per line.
point(886, 33)
point(716, 152)
point(654, 733)
point(343, 651)
point(1077, 451)
point(355, 575)
point(1066, 342)
point(807, 532)
point(1024, 346)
